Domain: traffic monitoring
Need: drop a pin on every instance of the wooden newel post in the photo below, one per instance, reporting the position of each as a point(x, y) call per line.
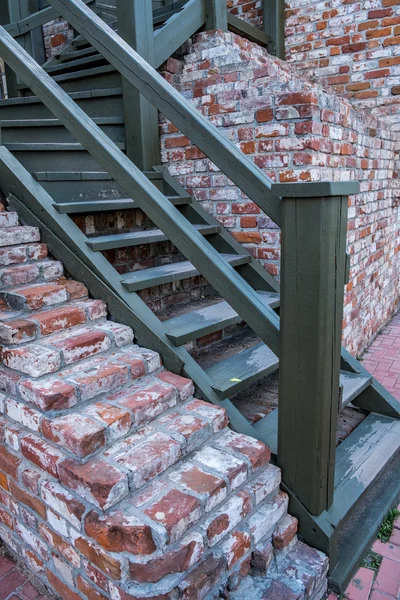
point(274, 25)
point(217, 15)
point(135, 26)
point(314, 225)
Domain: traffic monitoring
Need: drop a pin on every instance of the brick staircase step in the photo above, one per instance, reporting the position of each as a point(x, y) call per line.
point(36, 296)
point(14, 236)
point(21, 330)
point(22, 254)
point(8, 219)
point(27, 273)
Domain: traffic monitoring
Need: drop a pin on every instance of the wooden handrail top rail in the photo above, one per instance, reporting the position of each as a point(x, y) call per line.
point(230, 160)
point(35, 20)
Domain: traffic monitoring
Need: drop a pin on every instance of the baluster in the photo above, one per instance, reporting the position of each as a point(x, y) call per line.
point(217, 15)
point(135, 26)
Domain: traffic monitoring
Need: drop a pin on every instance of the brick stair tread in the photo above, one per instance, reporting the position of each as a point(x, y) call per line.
point(14, 275)
point(8, 219)
point(49, 354)
point(24, 253)
point(25, 327)
point(38, 295)
point(13, 236)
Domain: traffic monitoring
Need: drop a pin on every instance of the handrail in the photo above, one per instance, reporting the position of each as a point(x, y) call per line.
point(217, 270)
point(238, 167)
point(38, 18)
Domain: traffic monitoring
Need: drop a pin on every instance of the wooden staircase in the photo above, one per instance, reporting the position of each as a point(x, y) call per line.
point(51, 178)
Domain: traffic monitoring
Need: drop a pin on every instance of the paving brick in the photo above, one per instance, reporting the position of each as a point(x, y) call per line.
point(388, 578)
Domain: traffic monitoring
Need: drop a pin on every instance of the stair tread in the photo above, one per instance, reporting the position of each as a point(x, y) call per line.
point(360, 458)
point(203, 321)
point(237, 372)
point(172, 272)
point(4, 123)
point(135, 238)
point(50, 146)
point(353, 384)
point(109, 205)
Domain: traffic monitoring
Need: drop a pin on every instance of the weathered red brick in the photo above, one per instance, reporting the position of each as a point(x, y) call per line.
point(285, 532)
point(96, 481)
point(60, 318)
point(106, 563)
point(176, 511)
point(79, 434)
point(41, 453)
point(120, 532)
point(27, 499)
point(63, 503)
point(49, 394)
point(188, 553)
point(9, 462)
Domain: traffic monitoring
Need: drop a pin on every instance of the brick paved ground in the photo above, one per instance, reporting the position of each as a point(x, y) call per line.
point(383, 357)
point(14, 585)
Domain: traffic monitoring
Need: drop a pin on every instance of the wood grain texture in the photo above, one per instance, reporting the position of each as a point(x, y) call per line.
point(135, 26)
point(312, 288)
point(217, 15)
point(177, 30)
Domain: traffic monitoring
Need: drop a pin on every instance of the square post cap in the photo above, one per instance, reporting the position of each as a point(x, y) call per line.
point(315, 189)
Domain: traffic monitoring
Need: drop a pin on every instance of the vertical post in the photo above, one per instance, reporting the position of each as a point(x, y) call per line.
point(217, 15)
point(274, 26)
point(314, 225)
point(135, 26)
point(12, 11)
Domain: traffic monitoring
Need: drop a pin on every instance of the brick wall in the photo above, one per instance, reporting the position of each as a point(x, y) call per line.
point(56, 34)
point(295, 131)
point(249, 11)
point(353, 47)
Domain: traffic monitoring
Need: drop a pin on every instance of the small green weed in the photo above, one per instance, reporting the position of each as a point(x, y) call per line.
point(385, 530)
point(372, 560)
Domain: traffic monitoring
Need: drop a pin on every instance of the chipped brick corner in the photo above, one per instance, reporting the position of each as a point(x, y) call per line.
point(115, 482)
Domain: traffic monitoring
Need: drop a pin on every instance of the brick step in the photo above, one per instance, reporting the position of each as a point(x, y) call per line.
point(14, 236)
point(8, 219)
point(15, 275)
point(190, 512)
point(14, 255)
point(88, 381)
point(28, 327)
point(40, 295)
point(62, 349)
